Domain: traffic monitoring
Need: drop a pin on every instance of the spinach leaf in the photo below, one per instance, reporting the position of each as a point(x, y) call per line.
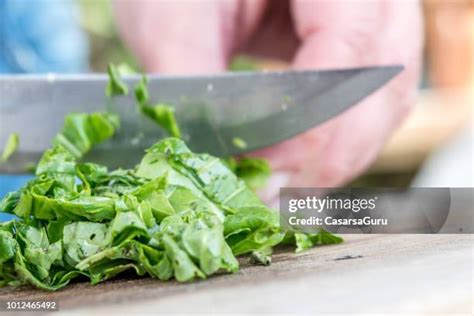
point(252, 229)
point(239, 143)
point(125, 69)
point(253, 171)
point(195, 245)
point(8, 246)
point(306, 241)
point(161, 114)
point(262, 257)
point(141, 92)
point(81, 131)
point(11, 146)
point(199, 173)
point(82, 240)
point(115, 86)
point(244, 63)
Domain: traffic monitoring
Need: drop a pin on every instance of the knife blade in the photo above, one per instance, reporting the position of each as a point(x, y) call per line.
point(261, 108)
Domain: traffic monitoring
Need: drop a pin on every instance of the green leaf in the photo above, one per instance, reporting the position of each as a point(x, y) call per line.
point(141, 92)
point(254, 171)
point(152, 193)
point(110, 269)
point(199, 173)
point(204, 241)
point(8, 246)
point(59, 165)
point(252, 229)
point(23, 207)
point(93, 208)
point(126, 226)
point(115, 86)
point(84, 239)
point(183, 267)
point(125, 69)
point(307, 241)
point(195, 245)
point(261, 257)
point(38, 251)
point(244, 63)
point(155, 261)
point(163, 115)
point(25, 274)
point(81, 131)
point(11, 146)
point(9, 201)
point(239, 143)
point(56, 160)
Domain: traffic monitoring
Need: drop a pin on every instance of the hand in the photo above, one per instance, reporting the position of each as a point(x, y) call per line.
point(201, 37)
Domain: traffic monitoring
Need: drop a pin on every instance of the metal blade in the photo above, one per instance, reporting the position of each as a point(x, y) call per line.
point(260, 108)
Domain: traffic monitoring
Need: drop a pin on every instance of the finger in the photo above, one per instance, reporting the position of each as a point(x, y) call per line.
point(334, 33)
point(337, 34)
point(186, 36)
point(175, 36)
point(350, 34)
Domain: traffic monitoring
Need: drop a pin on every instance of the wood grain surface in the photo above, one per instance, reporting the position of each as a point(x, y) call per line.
point(400, 274)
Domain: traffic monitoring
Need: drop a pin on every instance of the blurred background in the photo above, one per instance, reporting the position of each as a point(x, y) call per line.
point(432, 148)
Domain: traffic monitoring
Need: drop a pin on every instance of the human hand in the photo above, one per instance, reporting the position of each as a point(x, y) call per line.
point(202, 36)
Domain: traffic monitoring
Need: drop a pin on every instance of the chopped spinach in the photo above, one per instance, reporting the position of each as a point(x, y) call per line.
point(178, 214)
point(125, 69)
point(239, 143)
point(306, 241)
point(81, 131)
point(161, 114)
point(11, 146)
point(254, 171)
point(115, 86)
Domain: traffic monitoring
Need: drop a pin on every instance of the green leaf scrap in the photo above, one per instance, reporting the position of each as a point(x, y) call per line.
point(81, 131)
point(239, 143)
point(254, 171)
point(161, 114)
point(115, 86)
point(11, 146)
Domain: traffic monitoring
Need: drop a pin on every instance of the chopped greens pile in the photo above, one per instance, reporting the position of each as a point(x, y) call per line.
point(177, 214)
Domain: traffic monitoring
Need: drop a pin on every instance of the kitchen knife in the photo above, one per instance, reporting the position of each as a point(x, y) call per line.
point(260, 108)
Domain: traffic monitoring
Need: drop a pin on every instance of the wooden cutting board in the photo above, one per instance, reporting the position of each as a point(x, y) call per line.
point(407, 274)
